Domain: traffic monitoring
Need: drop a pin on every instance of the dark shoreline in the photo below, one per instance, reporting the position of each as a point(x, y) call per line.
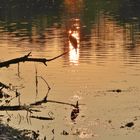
point(9, 133)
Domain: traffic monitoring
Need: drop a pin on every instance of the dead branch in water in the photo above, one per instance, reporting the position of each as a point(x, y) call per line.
point(6, 107)
point(32, 105)
point(27, 58)
point(17, 107)
point(44, 100)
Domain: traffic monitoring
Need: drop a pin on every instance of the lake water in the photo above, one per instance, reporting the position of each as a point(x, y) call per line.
point(106, 60)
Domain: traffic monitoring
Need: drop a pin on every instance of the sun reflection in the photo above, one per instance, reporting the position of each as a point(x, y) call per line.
point(74, 55)
point(74, 43)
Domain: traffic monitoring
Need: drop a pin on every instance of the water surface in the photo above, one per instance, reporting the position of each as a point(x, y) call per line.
point(107, 58)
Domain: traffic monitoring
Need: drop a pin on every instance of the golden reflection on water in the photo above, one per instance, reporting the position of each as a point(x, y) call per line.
point(74, 51)
point(74, 55)
point(72, 8)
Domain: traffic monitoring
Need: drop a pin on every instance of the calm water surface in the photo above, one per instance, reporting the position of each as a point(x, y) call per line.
point(107, 58)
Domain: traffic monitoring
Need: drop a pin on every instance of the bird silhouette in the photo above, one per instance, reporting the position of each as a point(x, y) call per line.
point(73, 40)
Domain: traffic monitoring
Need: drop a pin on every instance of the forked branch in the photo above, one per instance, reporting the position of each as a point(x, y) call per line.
point(27, 58)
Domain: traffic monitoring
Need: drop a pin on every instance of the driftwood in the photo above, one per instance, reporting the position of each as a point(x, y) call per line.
point(27, 58)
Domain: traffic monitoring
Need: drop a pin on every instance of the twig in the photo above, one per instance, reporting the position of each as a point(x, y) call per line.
point(19, 118)
point(18, 70)
point(49, 88)
point(45, 82)
point(36, 81)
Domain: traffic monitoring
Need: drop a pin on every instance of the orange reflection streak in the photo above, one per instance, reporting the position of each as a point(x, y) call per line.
point(74, 50)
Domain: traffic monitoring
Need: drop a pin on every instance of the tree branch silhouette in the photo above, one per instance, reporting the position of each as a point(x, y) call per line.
point(26, 58)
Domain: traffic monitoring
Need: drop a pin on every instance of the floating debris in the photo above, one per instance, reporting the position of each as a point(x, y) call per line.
point(42, 118)
point(8, 119)
point(115, 90)
point(129, 124)
point(83, 133)
point(64, 133)
point(109, 121)
point(75, 112)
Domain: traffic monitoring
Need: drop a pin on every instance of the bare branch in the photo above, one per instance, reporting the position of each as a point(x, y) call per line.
point(51, 101)
point(26, 58)
point(16, 108)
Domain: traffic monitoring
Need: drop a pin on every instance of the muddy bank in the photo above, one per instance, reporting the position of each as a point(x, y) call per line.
point(9, 133)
